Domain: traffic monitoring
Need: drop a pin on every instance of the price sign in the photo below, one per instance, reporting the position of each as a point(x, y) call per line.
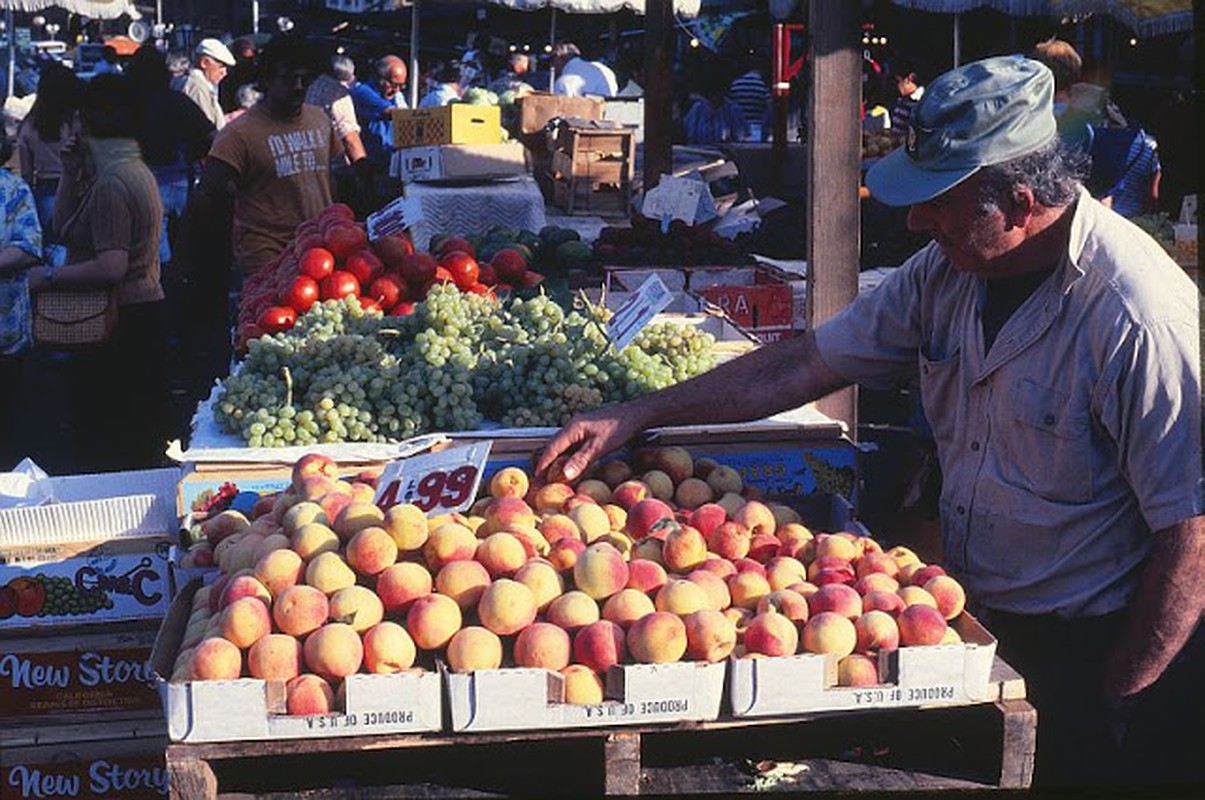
point(435, 482)
point(394, 218)
point(644, 304)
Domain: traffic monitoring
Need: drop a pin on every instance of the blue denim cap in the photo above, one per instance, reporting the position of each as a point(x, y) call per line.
point(983, 113)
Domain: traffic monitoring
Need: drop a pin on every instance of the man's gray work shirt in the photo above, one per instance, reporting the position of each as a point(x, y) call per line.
point(1074, 439)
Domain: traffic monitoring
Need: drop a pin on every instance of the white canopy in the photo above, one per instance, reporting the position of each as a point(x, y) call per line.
point(1144, 17)
point(686, 8)
point(97, 9)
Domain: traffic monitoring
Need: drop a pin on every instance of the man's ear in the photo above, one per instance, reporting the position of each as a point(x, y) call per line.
point(1021, 207)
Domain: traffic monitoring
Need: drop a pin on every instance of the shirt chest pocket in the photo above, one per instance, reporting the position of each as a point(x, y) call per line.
point(1048, 449)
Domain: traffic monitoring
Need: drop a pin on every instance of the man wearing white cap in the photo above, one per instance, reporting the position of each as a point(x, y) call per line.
point(1057, 351)
point(211, 60)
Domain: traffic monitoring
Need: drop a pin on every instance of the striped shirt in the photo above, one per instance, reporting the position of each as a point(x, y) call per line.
point(751, 96)
point(1132, 193)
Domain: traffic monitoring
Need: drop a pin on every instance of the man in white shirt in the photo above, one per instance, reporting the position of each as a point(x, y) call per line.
point(578, 77)
point(211, 60)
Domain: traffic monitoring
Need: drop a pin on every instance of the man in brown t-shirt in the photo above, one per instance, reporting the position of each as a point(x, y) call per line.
point(276, 158)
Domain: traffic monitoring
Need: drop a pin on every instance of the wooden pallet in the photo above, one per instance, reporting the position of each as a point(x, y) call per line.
point(902, 749)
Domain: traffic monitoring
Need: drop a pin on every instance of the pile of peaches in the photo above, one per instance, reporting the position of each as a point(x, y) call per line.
point(664, 559)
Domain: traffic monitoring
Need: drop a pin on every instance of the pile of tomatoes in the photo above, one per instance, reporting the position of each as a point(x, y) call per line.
point(331, 258)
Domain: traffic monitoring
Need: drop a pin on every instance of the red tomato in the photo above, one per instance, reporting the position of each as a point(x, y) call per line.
point(248, 331)
point(275, 319)
point(343, 239)
point(387, 290)
point(364, 265)
point(503, 287)
point(303, 243)
point(455, 243)
point(463, 268)
point(301, 294)
point(418, 268)
point(486, 274)
point(403, 309)
point(393, 250)
point(368, 304)
point(338, 211)
point(317, 263)
point(442, 276)
point(509, 264)
point(531, 278)
point(339, 284)
point(480, 288)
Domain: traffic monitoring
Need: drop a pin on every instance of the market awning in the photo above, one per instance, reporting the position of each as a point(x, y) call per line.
point(97, 9)
point(686, 8)
point(1144, 17)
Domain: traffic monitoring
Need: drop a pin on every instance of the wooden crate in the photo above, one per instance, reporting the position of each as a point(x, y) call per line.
point(591, 170)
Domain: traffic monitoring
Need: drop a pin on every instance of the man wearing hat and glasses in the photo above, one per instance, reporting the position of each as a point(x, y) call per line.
point(211, 60)
point(1057, 350)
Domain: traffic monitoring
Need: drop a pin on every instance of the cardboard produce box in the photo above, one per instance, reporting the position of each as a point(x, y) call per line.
point(78, 677)
point(458, 162)
point(937, 675)
point(458, 123)
point(84, 762)
point(536, 109)
point(252, 709)
point(97, 554)
point(533, 699)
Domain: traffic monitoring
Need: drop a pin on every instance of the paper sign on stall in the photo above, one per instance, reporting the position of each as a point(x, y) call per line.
point(436, 482)
point(645, 303)
point(687, 199)
point(396, 217)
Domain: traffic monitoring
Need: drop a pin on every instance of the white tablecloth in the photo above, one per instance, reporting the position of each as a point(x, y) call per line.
point(474, 208)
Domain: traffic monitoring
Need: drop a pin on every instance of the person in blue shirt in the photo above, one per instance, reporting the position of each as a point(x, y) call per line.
point(375, 103)
point(444, 86)
point(714, 118)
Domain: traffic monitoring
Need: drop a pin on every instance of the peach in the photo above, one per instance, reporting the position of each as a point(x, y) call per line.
point(550, 497)
point(794, 534)
point(501, 554)
point(506, 607)
point(783, 515)
point(771, 634)
point(314, 538)
point(583, 686)
point(626, 606)
point(362, 492)
point(542, 645)
point(710, 636)
point(572, 610)
point(355, 517)
point(730, 540)
point(300, 609)
point(757, 517)
point(474, 648)
point(358, 607)
point(597, 489)
point(334, 503)
point(723, 480)
point(309, 694)
point(763, 547)
point(240, 586)
point(876, 582)
point(432, 620)
point(676, 462)
point(915, 595)
point(782, 571)
point(730, 502)
point(748, 588)
point(835, 563)
point(903, 556)
point(951, 636)
point(791, 605)
point(591, 520)
point(681, 597)
point(704, 466)
point(718, 566)
point(543, 579)
point(630, 492)
point(245, 622)
point(919, 574)
point(748, 565)
point(645, 575)
point(564, 553)
point(661, 486)
point(600, 571)
point(838, 598)
point(223, 526)
point(387, 648)
point(533, 542)
point(216, 659)
point(371, 550)
point(948, 593)
point(657, 638)
point(684, 549)
point(644, 515)
point(617, 517)
point(878, 600)
point(614, 472)
point(921, 625)
point(450, 542)
point(407, 524)
point(329, 573)
point(242, 555)
point(715, 587)
point(276, 657)
point(314, 487)
point(692, 493)
point(401, 584)
point(829, 632)
point(876, 563)
point(599, 645)
point(827, 576)
point(509, 482)
point(830, 544)
point(463, 581)
point(314, 464)
point(649, 549)
point(706, 518)
point(555, 527)
point(857, 670)
point(866, 545)
point(334, 651)
point(740, 618)
point(877, 630)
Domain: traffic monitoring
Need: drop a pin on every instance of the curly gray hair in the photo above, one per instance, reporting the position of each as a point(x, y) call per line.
point(1053, 173)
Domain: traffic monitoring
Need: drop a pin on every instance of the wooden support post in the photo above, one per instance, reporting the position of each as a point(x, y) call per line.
point(621, 763)
point(190, 778)
point(658, 90)
point(1019, 742)
point(834, 157)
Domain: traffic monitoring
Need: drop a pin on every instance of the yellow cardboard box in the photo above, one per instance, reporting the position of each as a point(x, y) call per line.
point(458, 123)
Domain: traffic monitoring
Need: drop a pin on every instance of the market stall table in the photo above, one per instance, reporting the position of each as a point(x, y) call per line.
point(474, 207)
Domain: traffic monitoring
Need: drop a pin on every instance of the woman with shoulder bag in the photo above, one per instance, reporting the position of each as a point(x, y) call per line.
point(109, 212)
point(50, 122)
point(20, 249)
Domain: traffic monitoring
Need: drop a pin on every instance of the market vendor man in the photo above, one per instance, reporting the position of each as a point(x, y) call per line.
point(1057, 351)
